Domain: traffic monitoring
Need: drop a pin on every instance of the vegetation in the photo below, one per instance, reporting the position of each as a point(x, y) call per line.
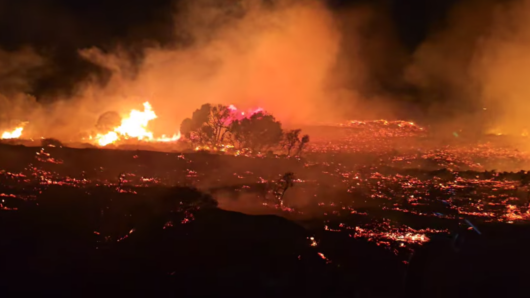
point(259, 132)
point(286, 182)
point(50, 142)
point(303, 141)
point(108, 121)
point(215, 126)
point(292, 140)
point(208, 125)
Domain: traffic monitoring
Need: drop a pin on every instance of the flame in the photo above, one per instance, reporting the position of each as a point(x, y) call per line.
point(238, 114)
point(174, 138)
point(15, 134)
point(134, 126)
point(108, 138)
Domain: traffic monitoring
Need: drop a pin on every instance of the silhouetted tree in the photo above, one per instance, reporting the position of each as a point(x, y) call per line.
point(208, 125)
point(260, 131)
point(108, 121)
point(51, 143)
point(291, 138)
point(186, 127)
point(192, 128)
point(219, 122)
point(213, 125)
point(286, 182)
point(303, 142)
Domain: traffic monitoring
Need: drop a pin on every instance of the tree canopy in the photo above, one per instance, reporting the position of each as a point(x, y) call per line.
point(218, 125)
point(108, 121)
point(258, 132)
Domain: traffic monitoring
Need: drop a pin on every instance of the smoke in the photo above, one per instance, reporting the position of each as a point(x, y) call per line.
point(18, 70)
point(501, 66)
point(246, 53)
point(472, 70)
point(300, 60)
point(366, 78)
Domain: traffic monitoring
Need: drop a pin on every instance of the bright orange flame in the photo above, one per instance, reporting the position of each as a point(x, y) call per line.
point(108, 138)
point(15, 134)
point(174, 138)
point(134, 126)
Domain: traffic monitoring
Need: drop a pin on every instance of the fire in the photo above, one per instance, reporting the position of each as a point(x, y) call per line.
point(174, 138)
point(15, 134)
point(135, 126)
point(110, 137)
point(237, 114)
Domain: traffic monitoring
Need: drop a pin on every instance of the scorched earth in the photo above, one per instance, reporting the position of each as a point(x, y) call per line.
point(385, 183)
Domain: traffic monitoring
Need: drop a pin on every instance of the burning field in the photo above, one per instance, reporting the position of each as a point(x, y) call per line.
point(385, 188)
point(203, 148)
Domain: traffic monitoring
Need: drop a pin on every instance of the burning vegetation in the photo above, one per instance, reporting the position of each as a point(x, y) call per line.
point(339, 195)
point(211, 128)
point(226, 128)
point(15, 134)
point(374, 188)
point(134, 126)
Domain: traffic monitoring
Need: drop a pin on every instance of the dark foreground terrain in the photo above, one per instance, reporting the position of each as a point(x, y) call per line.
point(90, 222)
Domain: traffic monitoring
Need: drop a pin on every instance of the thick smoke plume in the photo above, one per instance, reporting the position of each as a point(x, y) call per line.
point(300, 60)
point(472, 70)
point(278, 56)
point(241, 52)
point(502, 67)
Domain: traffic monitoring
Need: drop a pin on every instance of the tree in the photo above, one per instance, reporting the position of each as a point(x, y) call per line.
point(108, 121)
point(198, 119)
point(291, 138)
point(186, 127)
point(214, 125)
point(283, 185)
point(219, 122)
point(208, 125)
point(303, 142)
point(258, 132)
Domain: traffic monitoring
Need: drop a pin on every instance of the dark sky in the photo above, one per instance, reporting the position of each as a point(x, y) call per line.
point(57, 28)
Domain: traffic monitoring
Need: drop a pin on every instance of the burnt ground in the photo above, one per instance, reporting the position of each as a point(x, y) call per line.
point(92, 222)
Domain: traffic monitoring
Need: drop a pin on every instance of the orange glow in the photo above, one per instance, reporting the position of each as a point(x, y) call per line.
point(134, 127)
point(108, 138)
point(15, 134)
point(174, 138)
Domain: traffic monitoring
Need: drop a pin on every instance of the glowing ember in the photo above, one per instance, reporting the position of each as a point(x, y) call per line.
point(134, 126)
point(15, 134)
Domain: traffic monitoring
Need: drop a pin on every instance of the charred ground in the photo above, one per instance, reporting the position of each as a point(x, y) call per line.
point(373, 217)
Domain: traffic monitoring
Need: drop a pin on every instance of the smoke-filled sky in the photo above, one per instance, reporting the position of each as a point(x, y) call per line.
point(63, 63)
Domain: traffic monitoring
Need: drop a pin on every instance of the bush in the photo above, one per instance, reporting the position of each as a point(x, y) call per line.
point(215, 126)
